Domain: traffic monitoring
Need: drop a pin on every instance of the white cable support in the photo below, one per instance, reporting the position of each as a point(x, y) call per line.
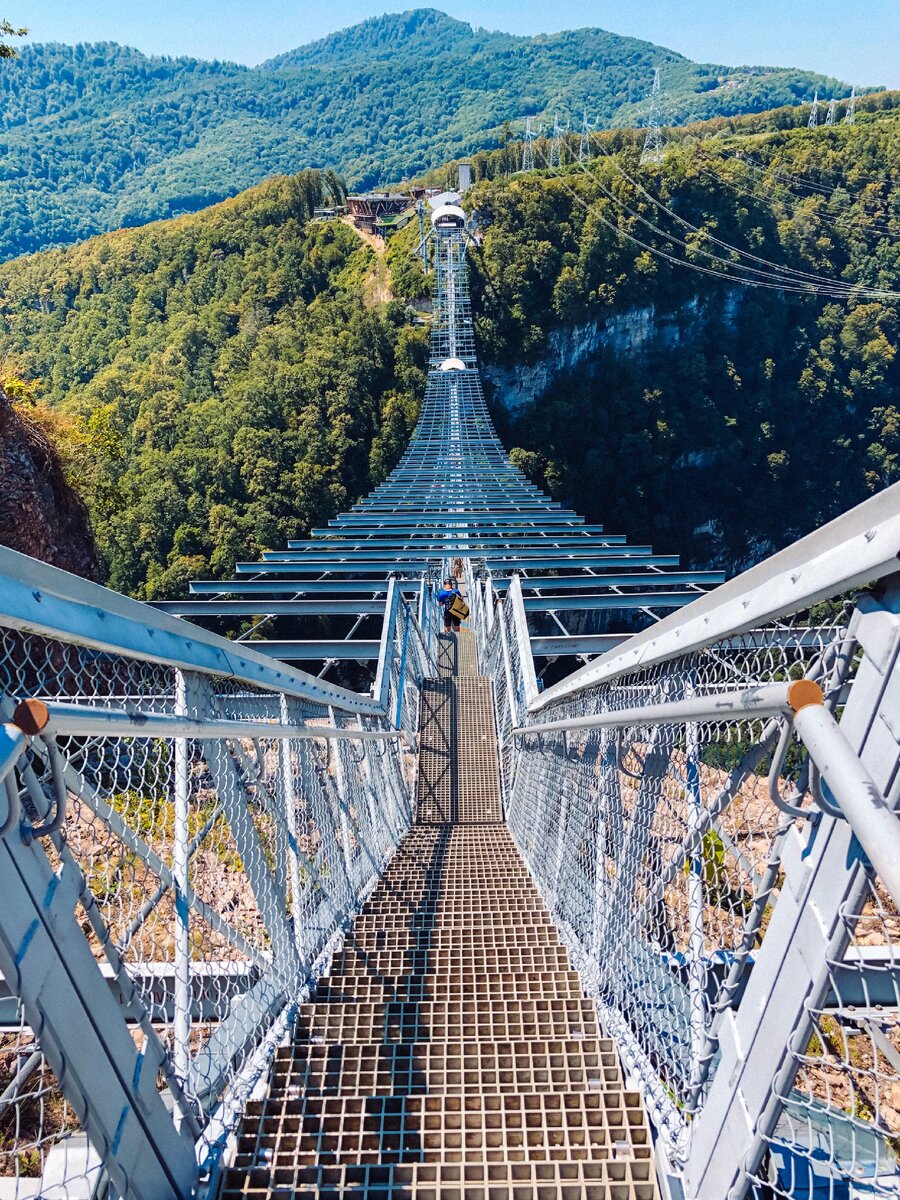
point(765, 277)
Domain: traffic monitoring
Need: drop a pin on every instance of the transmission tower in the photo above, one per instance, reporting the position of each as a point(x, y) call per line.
point(814, 113)
point(584, 146)
point(555, 157)
point(850, 118)
point(832, 112)
point(528, 145)
point(653, 142)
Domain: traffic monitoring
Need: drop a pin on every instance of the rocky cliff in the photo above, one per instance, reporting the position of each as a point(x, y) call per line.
point(40, 514)
point(570, 347)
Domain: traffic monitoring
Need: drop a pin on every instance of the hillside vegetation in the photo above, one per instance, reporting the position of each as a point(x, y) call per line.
point(216, 382)
point(714, 418)
point(95, 137)
point(220, 382)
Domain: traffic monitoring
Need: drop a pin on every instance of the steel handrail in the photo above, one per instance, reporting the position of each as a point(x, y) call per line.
point(856, 548)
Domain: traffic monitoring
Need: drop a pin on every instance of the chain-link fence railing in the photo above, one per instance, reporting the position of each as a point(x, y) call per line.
point(212, 838)
point(692, 827)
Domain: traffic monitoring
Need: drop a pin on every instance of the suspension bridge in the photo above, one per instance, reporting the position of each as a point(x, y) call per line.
point(596, 898)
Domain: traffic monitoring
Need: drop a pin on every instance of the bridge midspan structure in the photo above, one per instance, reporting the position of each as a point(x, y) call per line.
point(505, 924)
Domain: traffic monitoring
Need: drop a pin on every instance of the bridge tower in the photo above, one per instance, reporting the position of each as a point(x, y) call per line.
point(528, 145)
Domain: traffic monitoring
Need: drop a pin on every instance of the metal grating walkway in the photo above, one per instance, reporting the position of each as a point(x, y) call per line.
point(451, 1052)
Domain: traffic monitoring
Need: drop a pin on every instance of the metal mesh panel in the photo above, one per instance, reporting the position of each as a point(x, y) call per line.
point(840, 1125)
point(659, 849)
point(215, 872)
point(34, 1114)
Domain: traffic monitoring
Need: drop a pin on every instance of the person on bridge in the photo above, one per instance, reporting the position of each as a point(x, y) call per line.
point(445, 597)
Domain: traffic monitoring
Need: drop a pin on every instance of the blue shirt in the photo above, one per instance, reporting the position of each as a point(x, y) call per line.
point(445, 595)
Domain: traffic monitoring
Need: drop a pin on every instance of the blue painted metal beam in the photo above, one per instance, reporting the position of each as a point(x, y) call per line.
point(316, 651)
point(549, 584)
point(608, 600)
point(275, 608)
point(300, 587)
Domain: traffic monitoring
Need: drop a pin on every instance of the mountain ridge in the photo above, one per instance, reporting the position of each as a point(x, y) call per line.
point(227, 380)
point(96, 137)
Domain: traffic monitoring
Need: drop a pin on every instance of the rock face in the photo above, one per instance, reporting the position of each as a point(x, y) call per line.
point(40, 514)
point(629, 333)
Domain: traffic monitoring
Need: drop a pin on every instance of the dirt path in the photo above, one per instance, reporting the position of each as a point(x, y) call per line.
point(378, 288)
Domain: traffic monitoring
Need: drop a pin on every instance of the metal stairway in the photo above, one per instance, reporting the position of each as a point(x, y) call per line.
point(451, 1051)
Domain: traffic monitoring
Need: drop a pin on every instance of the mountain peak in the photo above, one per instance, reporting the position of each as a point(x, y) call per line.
point(99, 137)
point(378, 35)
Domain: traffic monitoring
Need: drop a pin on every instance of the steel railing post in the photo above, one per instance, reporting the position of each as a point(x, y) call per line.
point(181, 1030)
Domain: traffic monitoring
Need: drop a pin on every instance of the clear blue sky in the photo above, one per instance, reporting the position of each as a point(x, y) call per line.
point(856, 40)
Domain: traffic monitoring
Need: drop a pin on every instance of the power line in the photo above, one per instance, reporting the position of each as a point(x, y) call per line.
point(828, 218)
point(822, 188)
point(814, 113)
point(764, 279)
point(678, 262)
point(788, 272)
point(832, 111)
point(778, 273)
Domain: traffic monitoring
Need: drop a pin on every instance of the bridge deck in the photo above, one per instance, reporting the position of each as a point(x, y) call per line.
point(451, 1051)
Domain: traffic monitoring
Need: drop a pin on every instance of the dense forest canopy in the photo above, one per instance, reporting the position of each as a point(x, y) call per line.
point(220, 382)
point(215, 383)
point(707, 416)
point(96, 137)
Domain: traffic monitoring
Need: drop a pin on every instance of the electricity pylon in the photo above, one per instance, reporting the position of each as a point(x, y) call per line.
point(555, 157)
point(528, 145)
point(584, 146)
point(850, 118)
point(832, 112)
point(653, 142)
point(814, 113)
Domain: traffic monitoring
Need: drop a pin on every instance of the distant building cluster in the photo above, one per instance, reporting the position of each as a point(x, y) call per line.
point(383, 213)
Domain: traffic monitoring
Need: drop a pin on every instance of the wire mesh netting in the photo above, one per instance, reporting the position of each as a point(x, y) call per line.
point(659, 849)
point(215, 872)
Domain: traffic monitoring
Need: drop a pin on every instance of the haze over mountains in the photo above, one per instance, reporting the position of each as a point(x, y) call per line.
point(97, 137)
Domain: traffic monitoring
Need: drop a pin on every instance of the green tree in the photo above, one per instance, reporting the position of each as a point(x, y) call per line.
point(8, 31)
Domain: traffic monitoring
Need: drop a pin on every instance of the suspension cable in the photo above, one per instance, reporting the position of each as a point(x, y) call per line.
point(836, 289)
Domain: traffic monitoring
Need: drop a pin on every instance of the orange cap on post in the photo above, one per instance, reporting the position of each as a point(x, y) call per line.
point(31, 716)
point(804, 692)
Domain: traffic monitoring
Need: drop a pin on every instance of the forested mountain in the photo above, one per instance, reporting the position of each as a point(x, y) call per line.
point(218, 383)
point(95, 137)
point(215, 383)
point(674, 402)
